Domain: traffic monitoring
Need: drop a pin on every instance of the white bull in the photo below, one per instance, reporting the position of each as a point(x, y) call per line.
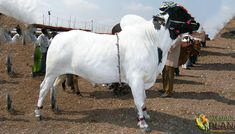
point(94, 57)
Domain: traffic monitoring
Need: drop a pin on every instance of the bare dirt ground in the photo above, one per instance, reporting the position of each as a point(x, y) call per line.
point(207, 88)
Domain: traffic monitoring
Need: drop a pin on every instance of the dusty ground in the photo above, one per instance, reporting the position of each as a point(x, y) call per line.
point(207, 88)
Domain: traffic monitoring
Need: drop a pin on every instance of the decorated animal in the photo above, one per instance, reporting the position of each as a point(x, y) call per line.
point(94, 57)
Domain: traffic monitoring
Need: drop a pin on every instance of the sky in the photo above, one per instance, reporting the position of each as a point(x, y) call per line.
point(101, 15)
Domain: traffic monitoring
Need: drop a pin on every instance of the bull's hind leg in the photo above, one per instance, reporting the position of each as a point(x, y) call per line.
point(53, 93)
point(75, 83)
point(137, 87)
point(44, 88)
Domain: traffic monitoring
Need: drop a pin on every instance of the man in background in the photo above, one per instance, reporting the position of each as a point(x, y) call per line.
point(43, 42)
point(18, 36)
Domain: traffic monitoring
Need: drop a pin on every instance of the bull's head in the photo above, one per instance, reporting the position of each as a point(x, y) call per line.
point(178, 20)
point(158, 21)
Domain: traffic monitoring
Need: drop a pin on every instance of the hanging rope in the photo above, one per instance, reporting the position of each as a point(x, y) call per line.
point(119, 66)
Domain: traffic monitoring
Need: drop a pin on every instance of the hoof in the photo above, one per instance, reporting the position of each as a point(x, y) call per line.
point(53, 105)
point(56, 109)
point(146, 130)
point(39, 118)
point(38, 114)
point(144, 126)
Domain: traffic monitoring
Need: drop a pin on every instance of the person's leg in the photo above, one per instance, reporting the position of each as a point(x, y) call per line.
point(164, 80)
point(43, 63)
point(168, 81)
point(193, 59)
point(171, 75)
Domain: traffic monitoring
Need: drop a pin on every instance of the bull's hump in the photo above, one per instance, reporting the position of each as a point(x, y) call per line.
point(129, 20)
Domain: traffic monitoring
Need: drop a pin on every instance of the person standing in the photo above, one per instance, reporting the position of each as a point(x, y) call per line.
point(203, 38)
point(53, 34)
point(18, 36)
point(169, 69)
point(43, 42)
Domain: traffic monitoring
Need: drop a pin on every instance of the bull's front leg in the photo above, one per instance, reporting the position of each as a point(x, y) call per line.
point(137, 87)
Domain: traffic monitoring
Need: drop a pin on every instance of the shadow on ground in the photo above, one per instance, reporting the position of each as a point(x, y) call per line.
point(124, 117)
point(216, 67)
point(203, 96)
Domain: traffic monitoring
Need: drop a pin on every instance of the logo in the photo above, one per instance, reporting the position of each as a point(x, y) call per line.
point(215, 123)
point(202, 122)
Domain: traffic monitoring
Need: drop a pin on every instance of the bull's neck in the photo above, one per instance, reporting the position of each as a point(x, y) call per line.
point(159, 38)
point(165, 39)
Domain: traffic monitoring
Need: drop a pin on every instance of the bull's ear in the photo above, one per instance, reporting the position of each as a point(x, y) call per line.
point(158, 18)
point(154, 18)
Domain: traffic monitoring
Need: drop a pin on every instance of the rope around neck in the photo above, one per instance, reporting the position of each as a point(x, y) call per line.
point(118, 54)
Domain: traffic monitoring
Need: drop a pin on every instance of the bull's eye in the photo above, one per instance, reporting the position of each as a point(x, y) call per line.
point(186, 38)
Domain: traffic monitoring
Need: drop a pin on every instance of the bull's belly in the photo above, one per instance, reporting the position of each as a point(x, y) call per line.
point(98, 73)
